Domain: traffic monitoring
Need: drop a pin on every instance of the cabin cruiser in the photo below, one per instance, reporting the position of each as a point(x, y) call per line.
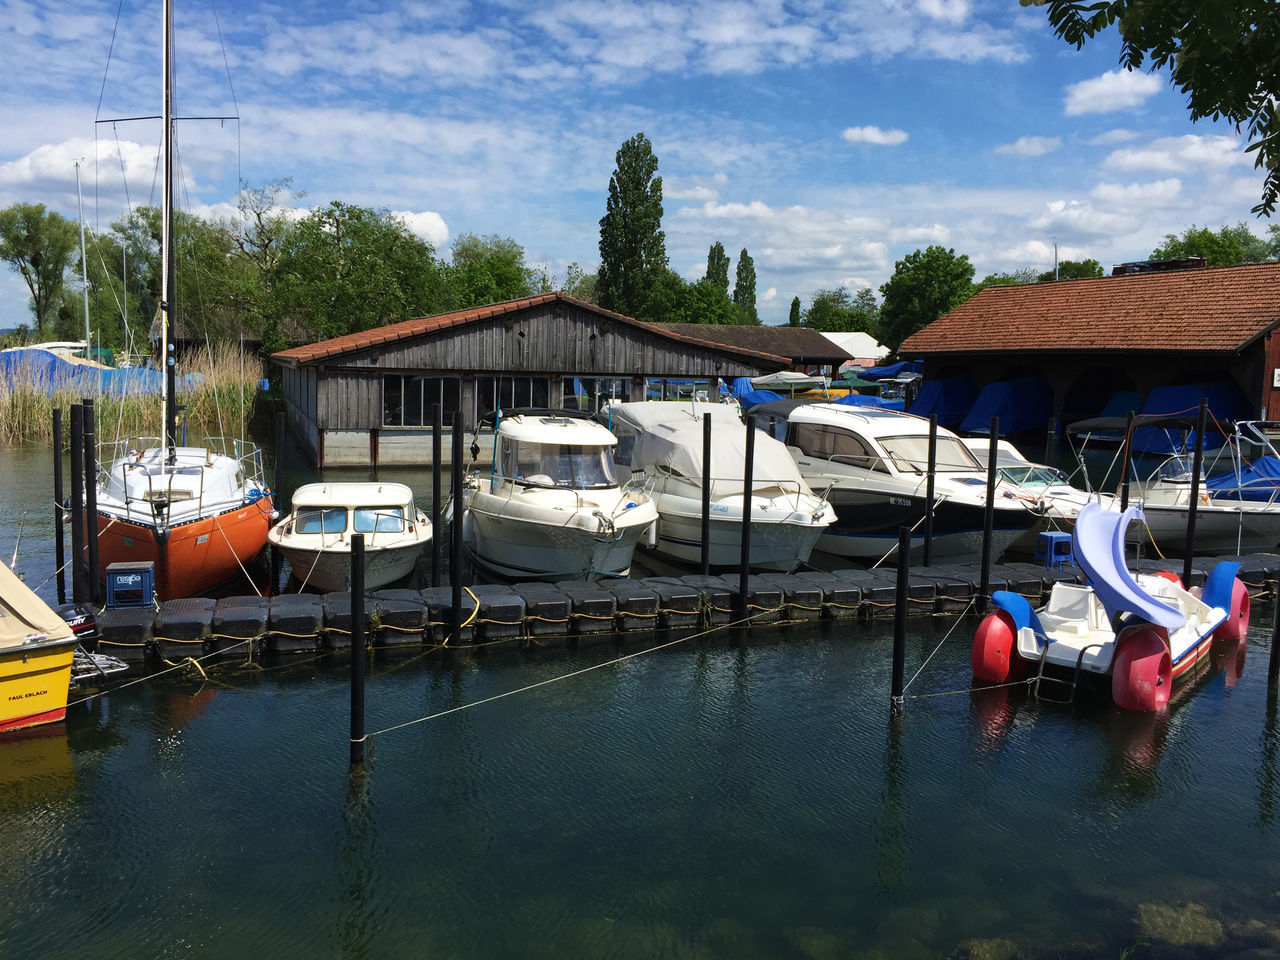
point(872, 464)
point(551, 507)
point(316, 535)
point(661, 443)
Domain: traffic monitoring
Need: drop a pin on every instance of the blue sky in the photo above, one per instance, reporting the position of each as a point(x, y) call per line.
point(828, 138)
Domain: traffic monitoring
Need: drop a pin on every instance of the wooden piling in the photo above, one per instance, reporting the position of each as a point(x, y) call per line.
point(744, 559)
point(455, 529)
point(357, 649)
point(59, 547)
point(77, 504)
point(437, 428)
point(91, 499)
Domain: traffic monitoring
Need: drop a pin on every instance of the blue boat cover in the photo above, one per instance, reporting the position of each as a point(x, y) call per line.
point(1226, 402)
point(50, 374)
point(755, 397)
point(1023, 404)
point(1259, 480)
point(1121, 402)
point(950, 398)
point(862, 400)
point(893, 370)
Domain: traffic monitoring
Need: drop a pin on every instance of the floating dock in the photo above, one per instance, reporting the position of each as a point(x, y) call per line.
point(577, 613)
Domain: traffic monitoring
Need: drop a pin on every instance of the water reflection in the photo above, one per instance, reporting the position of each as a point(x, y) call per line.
point(892, 846)
point(361, 914)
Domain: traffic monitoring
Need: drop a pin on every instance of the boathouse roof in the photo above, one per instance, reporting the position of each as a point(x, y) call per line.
point(800, 344)
point(1220, 310)
point(438, 323)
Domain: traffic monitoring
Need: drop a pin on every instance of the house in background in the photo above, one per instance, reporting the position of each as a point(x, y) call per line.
point(862, 347)
point(805, 349)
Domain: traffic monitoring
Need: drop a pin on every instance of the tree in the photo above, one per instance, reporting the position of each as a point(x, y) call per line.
point(839, 311)
point(925, 285)
point(633, 255)
point(744, 290)
point(580, 284)
point(1025, 275)
point(1073, 270)
point(1228, 247)
point(488, 270)
point(1225, 57)
point(718, 267)
point(39, 245)
point(793, 318)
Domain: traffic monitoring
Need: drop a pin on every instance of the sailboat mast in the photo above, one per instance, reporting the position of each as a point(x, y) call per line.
point(84, 264)
point(167, 412)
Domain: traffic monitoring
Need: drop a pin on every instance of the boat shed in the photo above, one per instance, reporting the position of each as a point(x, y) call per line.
point(1090, 340)
point(805, 349)
point(367, 398)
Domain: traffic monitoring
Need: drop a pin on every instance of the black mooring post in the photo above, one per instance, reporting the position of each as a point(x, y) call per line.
point(277, 486)
point(928, 489)
point(1050, 455)
point(77, 503)
point(91, 498)
point(437, 430)
point(59, 522)
point(1128, 455)
point(455, 528)
point(744, 558)
point(989, 516)
point(357, 648)
point(706, 494)
point(1273, 662)
point(1202, 422)
point(896, 699)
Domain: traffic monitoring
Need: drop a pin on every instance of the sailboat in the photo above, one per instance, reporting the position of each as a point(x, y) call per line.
point(200, 512)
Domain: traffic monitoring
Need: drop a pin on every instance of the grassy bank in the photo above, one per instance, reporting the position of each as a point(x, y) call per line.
point(221, 405)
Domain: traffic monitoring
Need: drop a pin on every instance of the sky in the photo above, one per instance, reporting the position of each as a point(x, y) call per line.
point(827, 138)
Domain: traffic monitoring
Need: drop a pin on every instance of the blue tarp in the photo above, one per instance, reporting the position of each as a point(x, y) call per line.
point(50, 374)
point(1023, 404)
point(893, 370)
point(950, 398)
point(861, 400)
point(1121, 402)
point(754, 397)
point(1259, 480)
point(1226, 403)
point(742, 386)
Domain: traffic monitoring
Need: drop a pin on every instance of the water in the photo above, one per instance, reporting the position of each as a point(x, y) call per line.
point(726, 797)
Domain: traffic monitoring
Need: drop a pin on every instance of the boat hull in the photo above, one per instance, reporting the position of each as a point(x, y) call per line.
point(774, 545)
point(520, 547)
point(34, 683)
point(197, 555)
point(1219, 528)
point(330, 570)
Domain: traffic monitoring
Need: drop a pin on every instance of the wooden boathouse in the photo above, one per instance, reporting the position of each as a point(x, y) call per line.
point(368, 397)
point(1089, 339)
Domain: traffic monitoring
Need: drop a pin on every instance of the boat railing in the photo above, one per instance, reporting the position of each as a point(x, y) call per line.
point(244, 452)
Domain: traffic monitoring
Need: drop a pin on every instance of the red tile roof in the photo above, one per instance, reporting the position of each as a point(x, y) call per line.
point(351, 342)
point(1221, 309)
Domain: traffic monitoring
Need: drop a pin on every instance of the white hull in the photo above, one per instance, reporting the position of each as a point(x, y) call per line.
point(774, 545)
point(1219, 529)
point(330, 569)
point(966, 545)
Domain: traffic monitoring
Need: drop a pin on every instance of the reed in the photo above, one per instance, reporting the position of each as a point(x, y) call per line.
point(221, 404)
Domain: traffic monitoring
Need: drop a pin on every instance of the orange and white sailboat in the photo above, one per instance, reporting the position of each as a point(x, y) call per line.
point(200, 513)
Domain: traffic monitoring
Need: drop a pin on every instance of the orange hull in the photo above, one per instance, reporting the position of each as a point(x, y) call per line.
point(198, 555)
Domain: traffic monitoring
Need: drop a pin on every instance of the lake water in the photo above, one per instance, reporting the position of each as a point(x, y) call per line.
point(726, 797)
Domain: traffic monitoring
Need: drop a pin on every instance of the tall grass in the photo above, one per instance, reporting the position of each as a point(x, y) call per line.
point(221, 405)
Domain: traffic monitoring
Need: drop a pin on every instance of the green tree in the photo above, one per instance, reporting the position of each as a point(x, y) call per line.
point(39, 245)
point(488, 270)
point(1225, 57)
point(633, 255)
point(839, 311)
point(1072, 270)
point(1228, 247)
point(744, 290)
point(793, 318)
point(925, 285)
point(1025, 275)
point(718, 267)
point(580, 284)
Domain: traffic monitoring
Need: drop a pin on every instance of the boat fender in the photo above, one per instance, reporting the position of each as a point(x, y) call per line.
point(1142, 671)
point(629, 504)
point(994, 652)
point(651, 535)
point(1229, 594)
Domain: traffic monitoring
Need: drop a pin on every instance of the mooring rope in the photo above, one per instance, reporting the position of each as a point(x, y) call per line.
point(944, 639)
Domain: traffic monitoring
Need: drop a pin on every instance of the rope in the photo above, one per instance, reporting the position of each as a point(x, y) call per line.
point(218, 524)
point(944, 639)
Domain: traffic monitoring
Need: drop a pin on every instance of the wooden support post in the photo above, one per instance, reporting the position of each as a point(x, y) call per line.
point(455, 529)
point(744, 560)
point(896, 699)
point(357, 649)
point(91, 499)
point(706, 494)
point(1202, 421)
point(77, 503)
point(437, 453)
point(59, 521)
point(988, 520)
point(928, 489)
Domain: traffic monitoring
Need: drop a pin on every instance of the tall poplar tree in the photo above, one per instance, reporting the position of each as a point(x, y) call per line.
point(718, 267)
point(744, 290)
point(793, 319)
point(633, 254)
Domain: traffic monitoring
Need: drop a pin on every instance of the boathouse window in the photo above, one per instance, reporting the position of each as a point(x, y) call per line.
point(407, 400)
point(508, 393)
point(591, 393)
point(832, 443)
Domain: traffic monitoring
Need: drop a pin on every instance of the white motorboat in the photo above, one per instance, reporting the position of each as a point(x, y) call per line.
point(872, 464)
point(316, 535)
point(551, 507)
point(662, 444)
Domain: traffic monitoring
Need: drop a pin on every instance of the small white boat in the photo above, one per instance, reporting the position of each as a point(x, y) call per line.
point(551, 506)
point(316, 535)
point(662, 443)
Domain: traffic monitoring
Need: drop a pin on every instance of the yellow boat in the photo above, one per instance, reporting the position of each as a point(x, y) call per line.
point(36, 650)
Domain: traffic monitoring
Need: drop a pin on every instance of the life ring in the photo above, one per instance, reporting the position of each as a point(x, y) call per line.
point(1142, 670)
point(1236, 626)
point(995, 650)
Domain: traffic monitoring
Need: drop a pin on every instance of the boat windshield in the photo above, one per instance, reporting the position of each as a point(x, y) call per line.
point(379, 519)
point(331, 520)
point(557, 465)
point(1033, 475)
point(912, 454)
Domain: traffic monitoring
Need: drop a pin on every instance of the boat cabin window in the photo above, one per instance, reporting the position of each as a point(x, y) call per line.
point(911, 454)
point(557, 465)
point(379, 519)
point(835, 444)
point(326, 520)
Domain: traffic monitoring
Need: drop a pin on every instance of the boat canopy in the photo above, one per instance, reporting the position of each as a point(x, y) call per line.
point(950, 398)
point(898, 369)
point(23, 615)
point(788, 380)
point(1225, 403)
point(351, 494)
point(1022, 404)
point(558, 429)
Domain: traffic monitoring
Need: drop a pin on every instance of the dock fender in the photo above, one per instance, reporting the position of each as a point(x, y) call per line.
point(1223, 589)
point(1142, 670)
point(650, 538)
point(994, 653)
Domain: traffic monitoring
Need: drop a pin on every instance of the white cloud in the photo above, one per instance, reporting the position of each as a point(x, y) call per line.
point(1029, 147)
point(933, 233)
point(428, 225)
point(1114, 90)
point(1112, 137)
point(952, 11)
point(768, 295)
point(874, 135)
point(1190, 152)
